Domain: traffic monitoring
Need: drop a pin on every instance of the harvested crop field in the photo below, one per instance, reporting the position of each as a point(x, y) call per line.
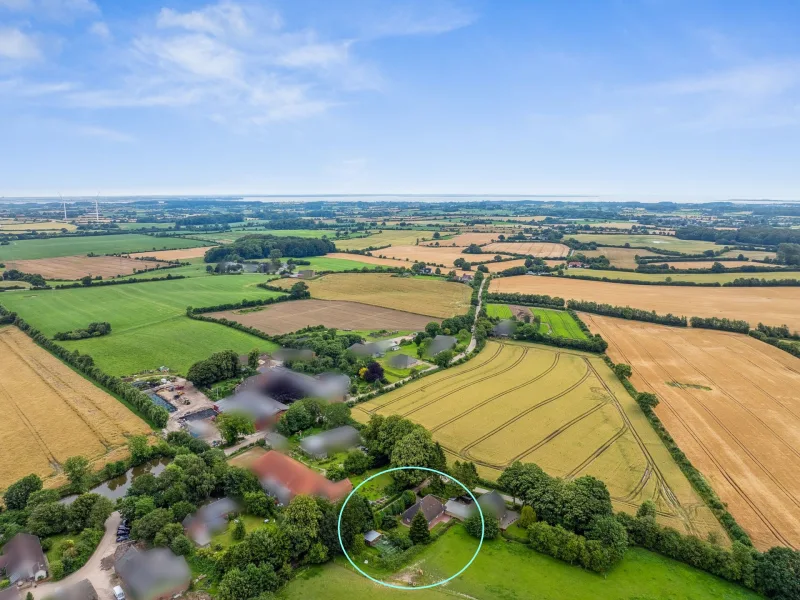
point(465, 239)
point(622, 258)
point(704, 278)
point(75, 267)
point(428, 296)
point(10, 225)
point(707, 264)
point(291, 316)
point(96, 244)
point(771, 305)
point(399, 237)
point(175, 254)
point(562, 410)
point(51, 413)
point(442, 255)
point(371, 260)
point(751, 254)
point(535, 249)
point(666, 242)
point(731, 404)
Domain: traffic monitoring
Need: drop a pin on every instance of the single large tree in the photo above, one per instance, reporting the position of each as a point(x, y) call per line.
point(419, 533)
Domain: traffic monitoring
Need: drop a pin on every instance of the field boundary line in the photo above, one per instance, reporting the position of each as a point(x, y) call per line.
point(596, 453)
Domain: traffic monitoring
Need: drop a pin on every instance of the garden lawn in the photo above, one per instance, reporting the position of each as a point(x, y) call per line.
point(148, 320)
point(101, 244)
point(512, 571)
point(251, 523)
point(558, 323)
point(693, 277)
point(501, 311)
point(375, 489)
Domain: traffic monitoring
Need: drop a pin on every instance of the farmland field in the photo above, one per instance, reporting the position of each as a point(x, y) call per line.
point(388, 236)
point(443, 255)
point(648, 241)
point(358, 261)
point(129, 226)
point(149, 326)
point(562, 410)
point(694, 277)
point(100, 244)
point(751, 254)
point(75, 267)
point(12, 226)
point(197, 252)
point(51, 413)
point(501, 311)
point(429, 296)
point(731, 404)
point(512, 571)
point(707, 264)
point(536, 249)
point(622, 258)
point(465, 239)
point(291, 316)
point(771, 305)
point(558, 323)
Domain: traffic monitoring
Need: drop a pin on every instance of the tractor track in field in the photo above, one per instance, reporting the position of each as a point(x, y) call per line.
point(596, 453)
point(465, 450)
point(445, 378)
point(458, 389)
point(496, 396)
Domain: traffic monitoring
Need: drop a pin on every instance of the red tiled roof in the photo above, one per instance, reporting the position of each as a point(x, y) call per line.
point(298, 478)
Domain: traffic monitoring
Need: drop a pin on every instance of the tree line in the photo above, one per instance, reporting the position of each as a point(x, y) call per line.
point(260, 246)
point(95, 329)
point(760, 235)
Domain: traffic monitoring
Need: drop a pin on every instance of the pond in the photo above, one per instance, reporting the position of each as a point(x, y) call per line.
point(117, 487)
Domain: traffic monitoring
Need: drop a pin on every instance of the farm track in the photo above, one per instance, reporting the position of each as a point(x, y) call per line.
point(495, 397)
point(445, 378)
point(591, 458)
point(711, 456)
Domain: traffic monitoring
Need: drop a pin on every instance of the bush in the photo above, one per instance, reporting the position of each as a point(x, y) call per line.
point(491, 527)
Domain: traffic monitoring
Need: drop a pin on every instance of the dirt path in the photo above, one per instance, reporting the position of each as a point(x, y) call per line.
point(101, 580)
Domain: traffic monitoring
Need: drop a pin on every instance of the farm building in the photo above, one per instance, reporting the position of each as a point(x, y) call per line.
point(208, 520)
point(286, 386)
point(402, 361)
point(23, 559)
point(284, 478)
point(263, 410)
point(460, 508)
point(328, 442)
point(284, 354)
point(306, 274)
point(374, 349)
point(83, 590)
point(504, 328)
point(493, 504)
point(430, 507)
point(372, 537)
point(441, 343)
point(155, 574)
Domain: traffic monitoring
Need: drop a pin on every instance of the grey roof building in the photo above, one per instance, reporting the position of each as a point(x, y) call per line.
point(332, 441)
point(152, 574)
point(441, 343)
point(429, 506)
point(459, 509)
point(23, 559)
point(258, 407)
point(402, 361)
point(493, 504)
point(83, 590)
point(505, 328)
point(10, 593)
point(373, 349)
point(208, 520)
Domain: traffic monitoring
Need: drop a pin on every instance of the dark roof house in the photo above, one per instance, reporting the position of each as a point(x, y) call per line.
point(402, 361)
point(286, 385)
point(494, 504)
point(154, 574)
point(430, 507)
point(10, 593)
point(505, 328)
point(262, 409)
point(208, 520)
point(459, 508)
point(441, 343)
point(23, 559)
point(332, 441)
point(284, 478)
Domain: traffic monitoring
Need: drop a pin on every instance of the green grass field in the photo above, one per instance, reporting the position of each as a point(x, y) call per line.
point(695, 277)
point(129, 226)
point(149, 326)
point(102, 244)
point(375, 489)
point(650, 241)
point(323, 263)
point(511, 571)
point(558, 323)
point(500, 311)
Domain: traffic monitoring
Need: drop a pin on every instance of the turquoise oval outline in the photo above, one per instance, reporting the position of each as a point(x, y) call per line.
point(402, 587)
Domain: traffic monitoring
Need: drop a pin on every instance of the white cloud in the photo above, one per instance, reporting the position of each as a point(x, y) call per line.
point(218, 19)
point(52, 9)
point(316, 55)
point(194, 55)
point(100, 29)
point(419, 17)
point(17, 45)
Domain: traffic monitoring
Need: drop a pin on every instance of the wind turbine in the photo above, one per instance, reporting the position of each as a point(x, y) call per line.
point(96, 210)
point(65, 205)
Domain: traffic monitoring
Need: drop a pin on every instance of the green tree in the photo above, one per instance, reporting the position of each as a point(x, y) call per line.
point(252, 358)
point(181, 545)
point(149, 525)
point(48, 519)
point(356, 462)
point(56, 570)
point(301, 520)
point(259, 504)
point(418, 533)
point(491, 526)
point(623, 371)
point(415, 449)
point(527, 517)
point(466, 473)
point(776, 573)
point(238, 530)
point(233, 425)
point(336, 414)
point(296, 418)
point(42, 497)
point(182, 509)
point(584, 499)
point(77, 471)
point(647, 510)
point(612, 534)
point(16, 496)
point(443, 358)
point(139, 449)
point(356, 519)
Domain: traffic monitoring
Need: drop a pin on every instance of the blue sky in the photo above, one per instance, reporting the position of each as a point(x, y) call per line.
point(650, 98)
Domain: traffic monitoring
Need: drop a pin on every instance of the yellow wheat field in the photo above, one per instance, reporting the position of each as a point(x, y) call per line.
point(395, 237)
point(51, 413)
point(563, 410)
point(431, 297)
